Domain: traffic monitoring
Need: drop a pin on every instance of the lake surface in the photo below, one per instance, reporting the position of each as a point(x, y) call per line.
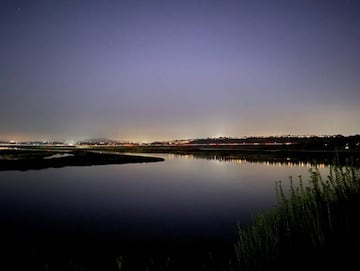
point(183, 199)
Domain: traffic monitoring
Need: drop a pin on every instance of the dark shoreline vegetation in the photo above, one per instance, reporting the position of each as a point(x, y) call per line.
point(314, 224)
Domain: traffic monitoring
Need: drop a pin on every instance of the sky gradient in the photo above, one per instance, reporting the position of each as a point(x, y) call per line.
point(153, 70)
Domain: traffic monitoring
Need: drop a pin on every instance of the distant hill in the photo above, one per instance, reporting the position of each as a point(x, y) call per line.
point(100, 141)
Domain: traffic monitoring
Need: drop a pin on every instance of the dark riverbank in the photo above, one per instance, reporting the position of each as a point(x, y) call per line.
point(41, 159)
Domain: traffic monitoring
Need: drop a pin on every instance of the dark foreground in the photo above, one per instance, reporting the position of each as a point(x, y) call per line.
point(315, 227)
point(92, 254)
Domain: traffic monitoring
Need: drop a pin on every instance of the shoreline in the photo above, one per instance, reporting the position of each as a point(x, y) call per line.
point(35, 160)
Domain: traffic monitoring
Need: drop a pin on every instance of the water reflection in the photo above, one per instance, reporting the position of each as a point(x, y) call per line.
point(186, 197)
point(288, 162)
point(280, 162)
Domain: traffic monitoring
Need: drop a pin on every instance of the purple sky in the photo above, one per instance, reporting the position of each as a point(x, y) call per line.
point(152, 70)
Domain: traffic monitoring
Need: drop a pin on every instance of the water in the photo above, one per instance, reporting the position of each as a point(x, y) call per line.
point(183, 199)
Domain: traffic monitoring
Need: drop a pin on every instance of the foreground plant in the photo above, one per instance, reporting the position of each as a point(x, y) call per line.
point(311, 220)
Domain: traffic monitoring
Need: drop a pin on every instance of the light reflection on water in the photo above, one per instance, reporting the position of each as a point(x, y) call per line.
point(183, 197)
point(288, 161)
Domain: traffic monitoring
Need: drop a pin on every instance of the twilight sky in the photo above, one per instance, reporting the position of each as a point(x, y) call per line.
point(152, 70)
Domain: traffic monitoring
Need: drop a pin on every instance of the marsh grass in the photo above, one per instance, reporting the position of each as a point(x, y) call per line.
point(314, 220)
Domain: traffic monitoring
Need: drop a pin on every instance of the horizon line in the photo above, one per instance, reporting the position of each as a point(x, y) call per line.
point(169, 140)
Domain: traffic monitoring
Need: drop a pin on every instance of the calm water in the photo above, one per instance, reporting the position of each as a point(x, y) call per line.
point(182, 198)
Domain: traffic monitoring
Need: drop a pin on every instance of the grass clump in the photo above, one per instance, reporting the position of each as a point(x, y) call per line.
point(314, 222)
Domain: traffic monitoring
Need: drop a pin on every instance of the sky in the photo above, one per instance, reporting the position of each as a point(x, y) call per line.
point(156, 70)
